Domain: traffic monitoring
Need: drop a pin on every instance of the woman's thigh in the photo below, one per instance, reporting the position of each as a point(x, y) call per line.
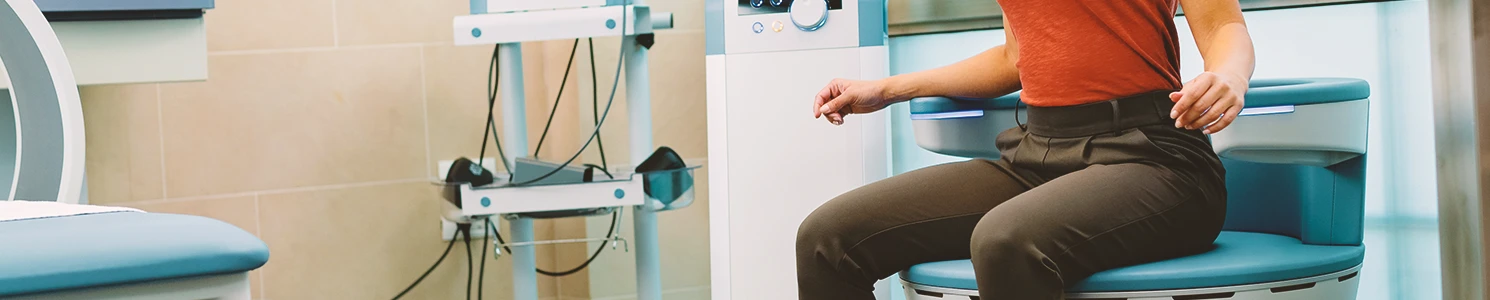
point(920, 216)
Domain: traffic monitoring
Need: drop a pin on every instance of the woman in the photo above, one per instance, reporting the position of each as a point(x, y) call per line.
point(1112, 168)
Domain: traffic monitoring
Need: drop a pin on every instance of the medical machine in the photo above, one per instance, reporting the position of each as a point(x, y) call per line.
point(53, 248)
point(552, 190)
point(1295, 178)
point(770, 163)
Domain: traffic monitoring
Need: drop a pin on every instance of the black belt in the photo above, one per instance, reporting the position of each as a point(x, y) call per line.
point(1101, 117)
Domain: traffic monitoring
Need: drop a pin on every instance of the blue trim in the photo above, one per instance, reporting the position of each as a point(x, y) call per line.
point(1266, 110)
point(944, 104)
point(1302, 91)
point(872, 28)
point(965, 114)
point(478, 7)
point(118, 5)
point(713, 27)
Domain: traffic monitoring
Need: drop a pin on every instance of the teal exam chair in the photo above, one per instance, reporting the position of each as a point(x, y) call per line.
point(1295, 177)
point(116, 255)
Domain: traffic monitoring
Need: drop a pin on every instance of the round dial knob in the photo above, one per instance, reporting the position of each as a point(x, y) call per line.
point(780, 3)
point(757, 3)
point(809, 15)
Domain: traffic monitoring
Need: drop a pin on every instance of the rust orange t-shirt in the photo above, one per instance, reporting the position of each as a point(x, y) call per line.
point(1082, 51)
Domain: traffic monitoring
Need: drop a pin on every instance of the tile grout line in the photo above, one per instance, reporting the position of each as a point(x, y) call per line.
point(335, 29)
point(283, 190)
point(160, 130)
point(424, 104)
point(321, 49)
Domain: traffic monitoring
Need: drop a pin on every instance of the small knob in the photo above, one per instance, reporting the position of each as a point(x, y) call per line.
point(757, 3)
point(809, 15)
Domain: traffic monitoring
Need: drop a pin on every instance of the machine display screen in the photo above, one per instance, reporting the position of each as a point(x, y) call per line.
point(756, 7)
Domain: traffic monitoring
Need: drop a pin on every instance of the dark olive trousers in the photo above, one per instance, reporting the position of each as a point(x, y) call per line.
point(1077, 190)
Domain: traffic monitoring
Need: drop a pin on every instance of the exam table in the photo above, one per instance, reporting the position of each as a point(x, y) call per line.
point(1295, 176)
point(79, 251)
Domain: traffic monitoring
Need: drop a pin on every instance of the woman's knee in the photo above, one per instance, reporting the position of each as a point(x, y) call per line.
point(993, 241)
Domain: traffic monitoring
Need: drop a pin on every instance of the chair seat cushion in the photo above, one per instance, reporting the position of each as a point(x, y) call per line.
point(62, 253)
point(1239, 258)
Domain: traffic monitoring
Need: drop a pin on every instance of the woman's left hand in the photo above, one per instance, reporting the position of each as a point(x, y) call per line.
point(1211, 102)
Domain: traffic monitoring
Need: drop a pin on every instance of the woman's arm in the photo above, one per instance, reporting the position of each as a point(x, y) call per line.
point(1222, 37)
point(988, 74)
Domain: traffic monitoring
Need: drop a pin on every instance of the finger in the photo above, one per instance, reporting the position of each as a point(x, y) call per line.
point(1201, 106)
point(1231, 115)
point(1215, 113)
point(822, 97)
point(1188, 95)
point(837, 104)
point(835, 118)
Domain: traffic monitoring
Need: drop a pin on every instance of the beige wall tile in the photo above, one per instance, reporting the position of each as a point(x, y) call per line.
point(455, 90)
point(368, 243)
point(285, 120)
point(365, 22)
point(678, 113)
point(239, 211)
point(269, 24)
point(123, 138)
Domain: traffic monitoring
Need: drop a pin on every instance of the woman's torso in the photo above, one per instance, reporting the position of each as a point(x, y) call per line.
point(1082, 51)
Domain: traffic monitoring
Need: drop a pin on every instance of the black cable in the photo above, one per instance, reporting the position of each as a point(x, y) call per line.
point(431, 268)
point(470, 269)
point(490, 130)
point(481, 279)
point(609, 233)
point(620, 60)
point(595, 104)
point(558, 96)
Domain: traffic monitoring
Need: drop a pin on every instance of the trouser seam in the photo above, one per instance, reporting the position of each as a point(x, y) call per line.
point(838, 262)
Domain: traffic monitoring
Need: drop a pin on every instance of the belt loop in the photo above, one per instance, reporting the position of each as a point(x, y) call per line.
point(1117, 114)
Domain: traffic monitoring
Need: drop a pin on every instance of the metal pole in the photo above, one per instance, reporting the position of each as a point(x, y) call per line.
point(524, 261)
point(639, 110)
point(1461, 91)
point(515, 130)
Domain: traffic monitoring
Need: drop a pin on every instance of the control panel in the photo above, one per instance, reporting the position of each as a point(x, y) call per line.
point(781, 25)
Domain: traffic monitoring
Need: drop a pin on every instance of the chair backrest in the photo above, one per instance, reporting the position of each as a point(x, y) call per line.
point(46, 132)
point(1295, 161)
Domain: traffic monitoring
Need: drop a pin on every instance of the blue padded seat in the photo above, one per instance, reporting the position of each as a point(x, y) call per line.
point(52, 254)
point(1239, 258)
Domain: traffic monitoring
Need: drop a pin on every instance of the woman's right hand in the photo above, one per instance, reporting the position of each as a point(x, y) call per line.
point(843, 97)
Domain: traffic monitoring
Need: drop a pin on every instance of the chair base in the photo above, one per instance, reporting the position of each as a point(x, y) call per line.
point(232, 286)
point(1340, 285)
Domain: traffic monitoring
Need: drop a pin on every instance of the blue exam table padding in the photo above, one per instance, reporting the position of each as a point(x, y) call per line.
point(52, 254)
point(1239, 258)
point(1260, 93)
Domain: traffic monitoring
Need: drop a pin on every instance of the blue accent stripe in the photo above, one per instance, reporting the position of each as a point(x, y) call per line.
point(1268, 110)
point(478, 7)
point(713, 27)
point(966, 114)
point(872, 28)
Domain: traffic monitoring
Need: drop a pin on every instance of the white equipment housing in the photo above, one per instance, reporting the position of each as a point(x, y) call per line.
point(770, 162)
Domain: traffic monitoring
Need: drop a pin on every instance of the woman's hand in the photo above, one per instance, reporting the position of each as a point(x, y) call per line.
point(843, 96)
point(1211, 101)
